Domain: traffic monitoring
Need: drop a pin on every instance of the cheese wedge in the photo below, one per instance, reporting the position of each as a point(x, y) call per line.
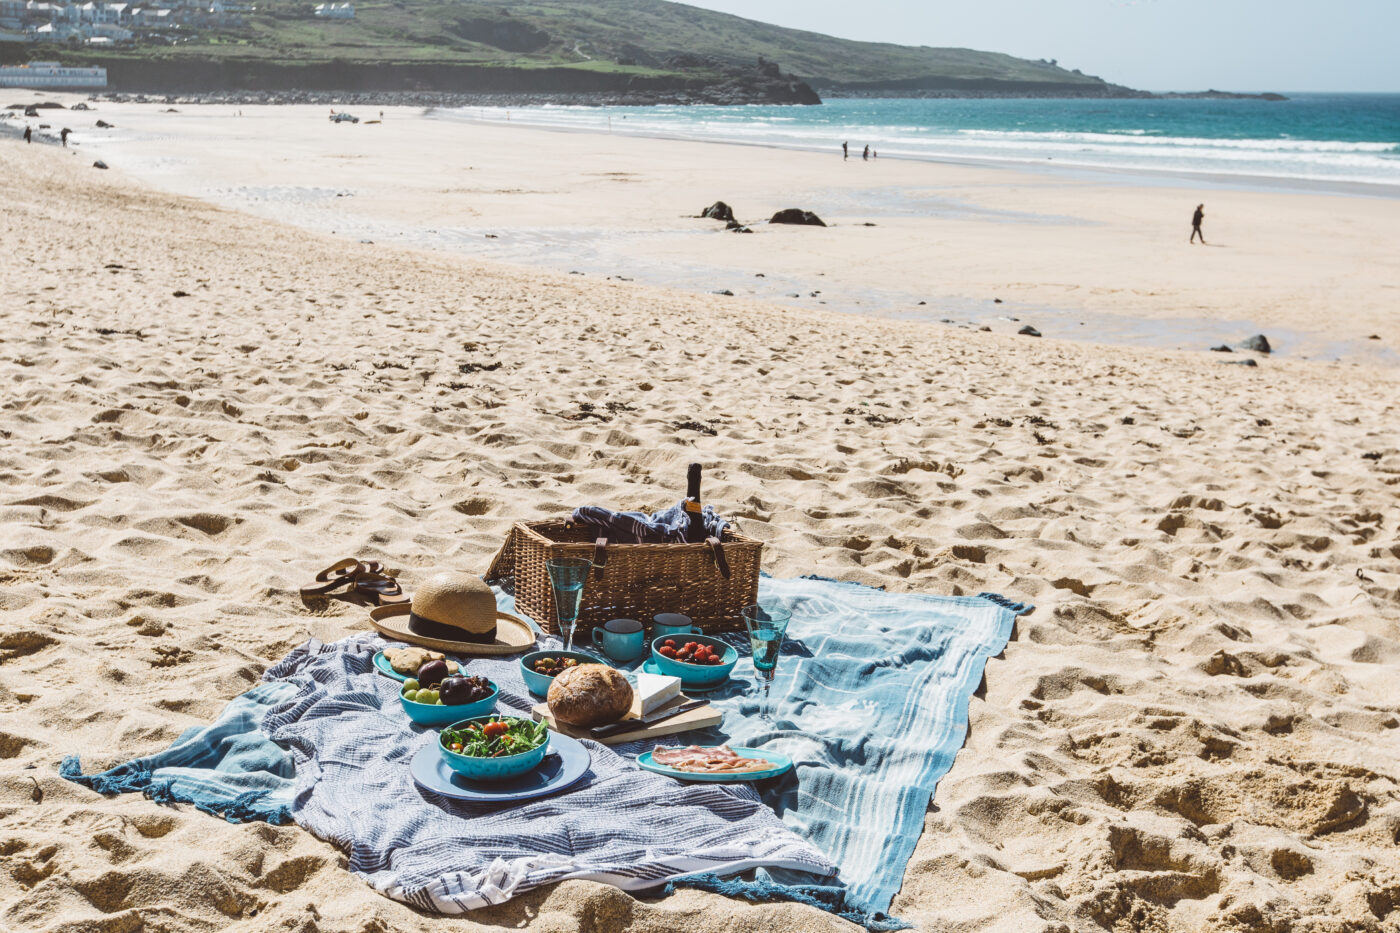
point(655, 691)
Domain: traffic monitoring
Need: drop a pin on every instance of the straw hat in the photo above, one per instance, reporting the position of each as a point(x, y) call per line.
point(454, 612)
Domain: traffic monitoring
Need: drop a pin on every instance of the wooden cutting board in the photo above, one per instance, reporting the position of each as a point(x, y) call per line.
point(701, 717)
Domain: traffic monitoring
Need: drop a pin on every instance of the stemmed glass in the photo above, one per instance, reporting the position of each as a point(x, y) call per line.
point(766, 625)
point(567, 576)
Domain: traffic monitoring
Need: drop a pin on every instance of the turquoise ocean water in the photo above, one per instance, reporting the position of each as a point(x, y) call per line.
point(1348, 139)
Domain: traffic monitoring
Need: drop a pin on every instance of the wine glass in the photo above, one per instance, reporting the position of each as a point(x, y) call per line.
point(766, 625)
point(567, 576)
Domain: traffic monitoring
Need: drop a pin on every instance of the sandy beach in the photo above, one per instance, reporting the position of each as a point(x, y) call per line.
point(1198, 727)
point(1083, 256)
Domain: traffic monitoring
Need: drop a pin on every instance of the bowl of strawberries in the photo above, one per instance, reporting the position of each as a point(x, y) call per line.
point(697, 660)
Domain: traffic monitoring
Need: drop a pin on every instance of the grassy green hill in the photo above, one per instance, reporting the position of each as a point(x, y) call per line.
point(642, 38)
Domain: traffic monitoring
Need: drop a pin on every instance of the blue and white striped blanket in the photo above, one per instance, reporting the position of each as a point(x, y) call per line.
point(871, 698)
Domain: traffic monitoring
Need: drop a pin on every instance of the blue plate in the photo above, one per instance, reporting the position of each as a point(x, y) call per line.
point(781, 765)
point(686, 686)
point(566, 763)
point(387, 669)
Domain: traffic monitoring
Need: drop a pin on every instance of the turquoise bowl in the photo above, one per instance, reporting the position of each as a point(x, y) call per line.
point(537, 683)
point(430, 714)
point(696, 675)
point(491, 769)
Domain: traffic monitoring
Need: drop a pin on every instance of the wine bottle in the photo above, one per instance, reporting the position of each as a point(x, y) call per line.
point(695, 531)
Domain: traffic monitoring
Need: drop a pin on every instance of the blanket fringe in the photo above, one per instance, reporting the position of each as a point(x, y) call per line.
point(127, 779)
point(824, 897)
point(1019, 609)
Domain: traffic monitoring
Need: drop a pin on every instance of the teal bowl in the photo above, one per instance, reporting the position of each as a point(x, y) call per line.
point(491, 769)
point(537, 683)
point(430, 714)
point(695, 675)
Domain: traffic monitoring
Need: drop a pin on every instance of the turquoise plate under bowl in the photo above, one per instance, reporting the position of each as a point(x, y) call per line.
point(781, 765)
point(382, 665)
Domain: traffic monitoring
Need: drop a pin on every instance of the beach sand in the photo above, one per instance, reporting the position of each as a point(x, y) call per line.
point(1077, 255)
point(1198, 727)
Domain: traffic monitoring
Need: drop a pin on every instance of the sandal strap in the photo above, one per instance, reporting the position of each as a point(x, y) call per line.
point(334, 577)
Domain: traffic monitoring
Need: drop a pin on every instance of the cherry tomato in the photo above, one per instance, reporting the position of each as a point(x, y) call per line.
point(667, 651)
point(493, 729)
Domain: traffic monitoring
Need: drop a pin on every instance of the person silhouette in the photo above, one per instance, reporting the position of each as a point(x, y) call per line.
point(845, 151)
point(1196, 219)
point(866, 154)
point(64, 135)
point(28, 135)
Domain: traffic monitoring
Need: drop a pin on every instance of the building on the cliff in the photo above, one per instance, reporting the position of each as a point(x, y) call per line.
point(43, 75)
point(334, 11)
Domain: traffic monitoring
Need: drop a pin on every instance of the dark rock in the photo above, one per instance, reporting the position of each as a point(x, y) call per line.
point(996, 301)
point(1374, 337)
point(1258, 343)
point(794, 215)
point(922, 303)
point(1240, 362)
point(759, 275)
point(180, 294)
point(725, 291)
point(99, 164)
point(736, 227)
point(719, 211)
point(104, 125)
point(1223, 348)
point(80, 106)
point(793, 295)
point(985, 329)
point(1029, 331)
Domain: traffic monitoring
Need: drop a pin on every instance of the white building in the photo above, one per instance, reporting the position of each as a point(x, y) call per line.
point(51, 74)
point(335, 11)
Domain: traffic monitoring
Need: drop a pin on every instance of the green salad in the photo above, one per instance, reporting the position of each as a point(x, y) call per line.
point(496, 738)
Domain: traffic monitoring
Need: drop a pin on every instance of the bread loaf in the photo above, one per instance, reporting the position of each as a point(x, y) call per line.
point(589, 695)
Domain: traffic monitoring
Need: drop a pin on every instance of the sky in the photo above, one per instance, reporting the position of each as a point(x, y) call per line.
point(1157, 45)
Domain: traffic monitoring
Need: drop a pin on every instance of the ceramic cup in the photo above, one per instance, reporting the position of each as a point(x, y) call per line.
point(621, 639)
point(671, 624)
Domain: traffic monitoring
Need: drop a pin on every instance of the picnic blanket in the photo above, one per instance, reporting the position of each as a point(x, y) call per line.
point(871, 697)
point(870, 701)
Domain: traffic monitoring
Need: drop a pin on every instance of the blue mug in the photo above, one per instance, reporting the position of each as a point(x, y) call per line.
point(621, 639)
point(671, 624)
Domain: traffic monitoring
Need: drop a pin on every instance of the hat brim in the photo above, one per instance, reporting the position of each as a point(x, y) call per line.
point(513, 634)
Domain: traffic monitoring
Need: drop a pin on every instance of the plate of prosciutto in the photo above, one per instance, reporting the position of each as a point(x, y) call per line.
point(714, 763)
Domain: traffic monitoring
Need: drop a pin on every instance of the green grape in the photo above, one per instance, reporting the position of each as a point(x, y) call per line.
point(411, 695)
point(410, 684)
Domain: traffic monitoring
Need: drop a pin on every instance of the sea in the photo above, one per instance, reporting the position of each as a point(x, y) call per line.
point(1332, 141)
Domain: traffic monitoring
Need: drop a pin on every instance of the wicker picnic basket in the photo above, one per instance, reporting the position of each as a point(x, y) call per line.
point(630, 581)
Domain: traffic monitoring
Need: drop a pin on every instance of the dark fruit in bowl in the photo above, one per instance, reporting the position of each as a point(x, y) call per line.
point(433, 673)
point(457, 691)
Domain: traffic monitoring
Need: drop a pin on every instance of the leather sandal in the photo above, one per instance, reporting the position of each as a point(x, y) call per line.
point(378, 589)
point(341, 573)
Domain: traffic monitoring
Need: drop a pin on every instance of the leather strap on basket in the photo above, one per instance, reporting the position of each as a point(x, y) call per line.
point(600, 557)
point(717, 550)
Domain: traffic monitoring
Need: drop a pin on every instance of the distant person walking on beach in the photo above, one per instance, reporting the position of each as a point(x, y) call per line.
point(866, 154)
point(1196, 219)
point(845, 151)
point(64, 134)
point(28, 135)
